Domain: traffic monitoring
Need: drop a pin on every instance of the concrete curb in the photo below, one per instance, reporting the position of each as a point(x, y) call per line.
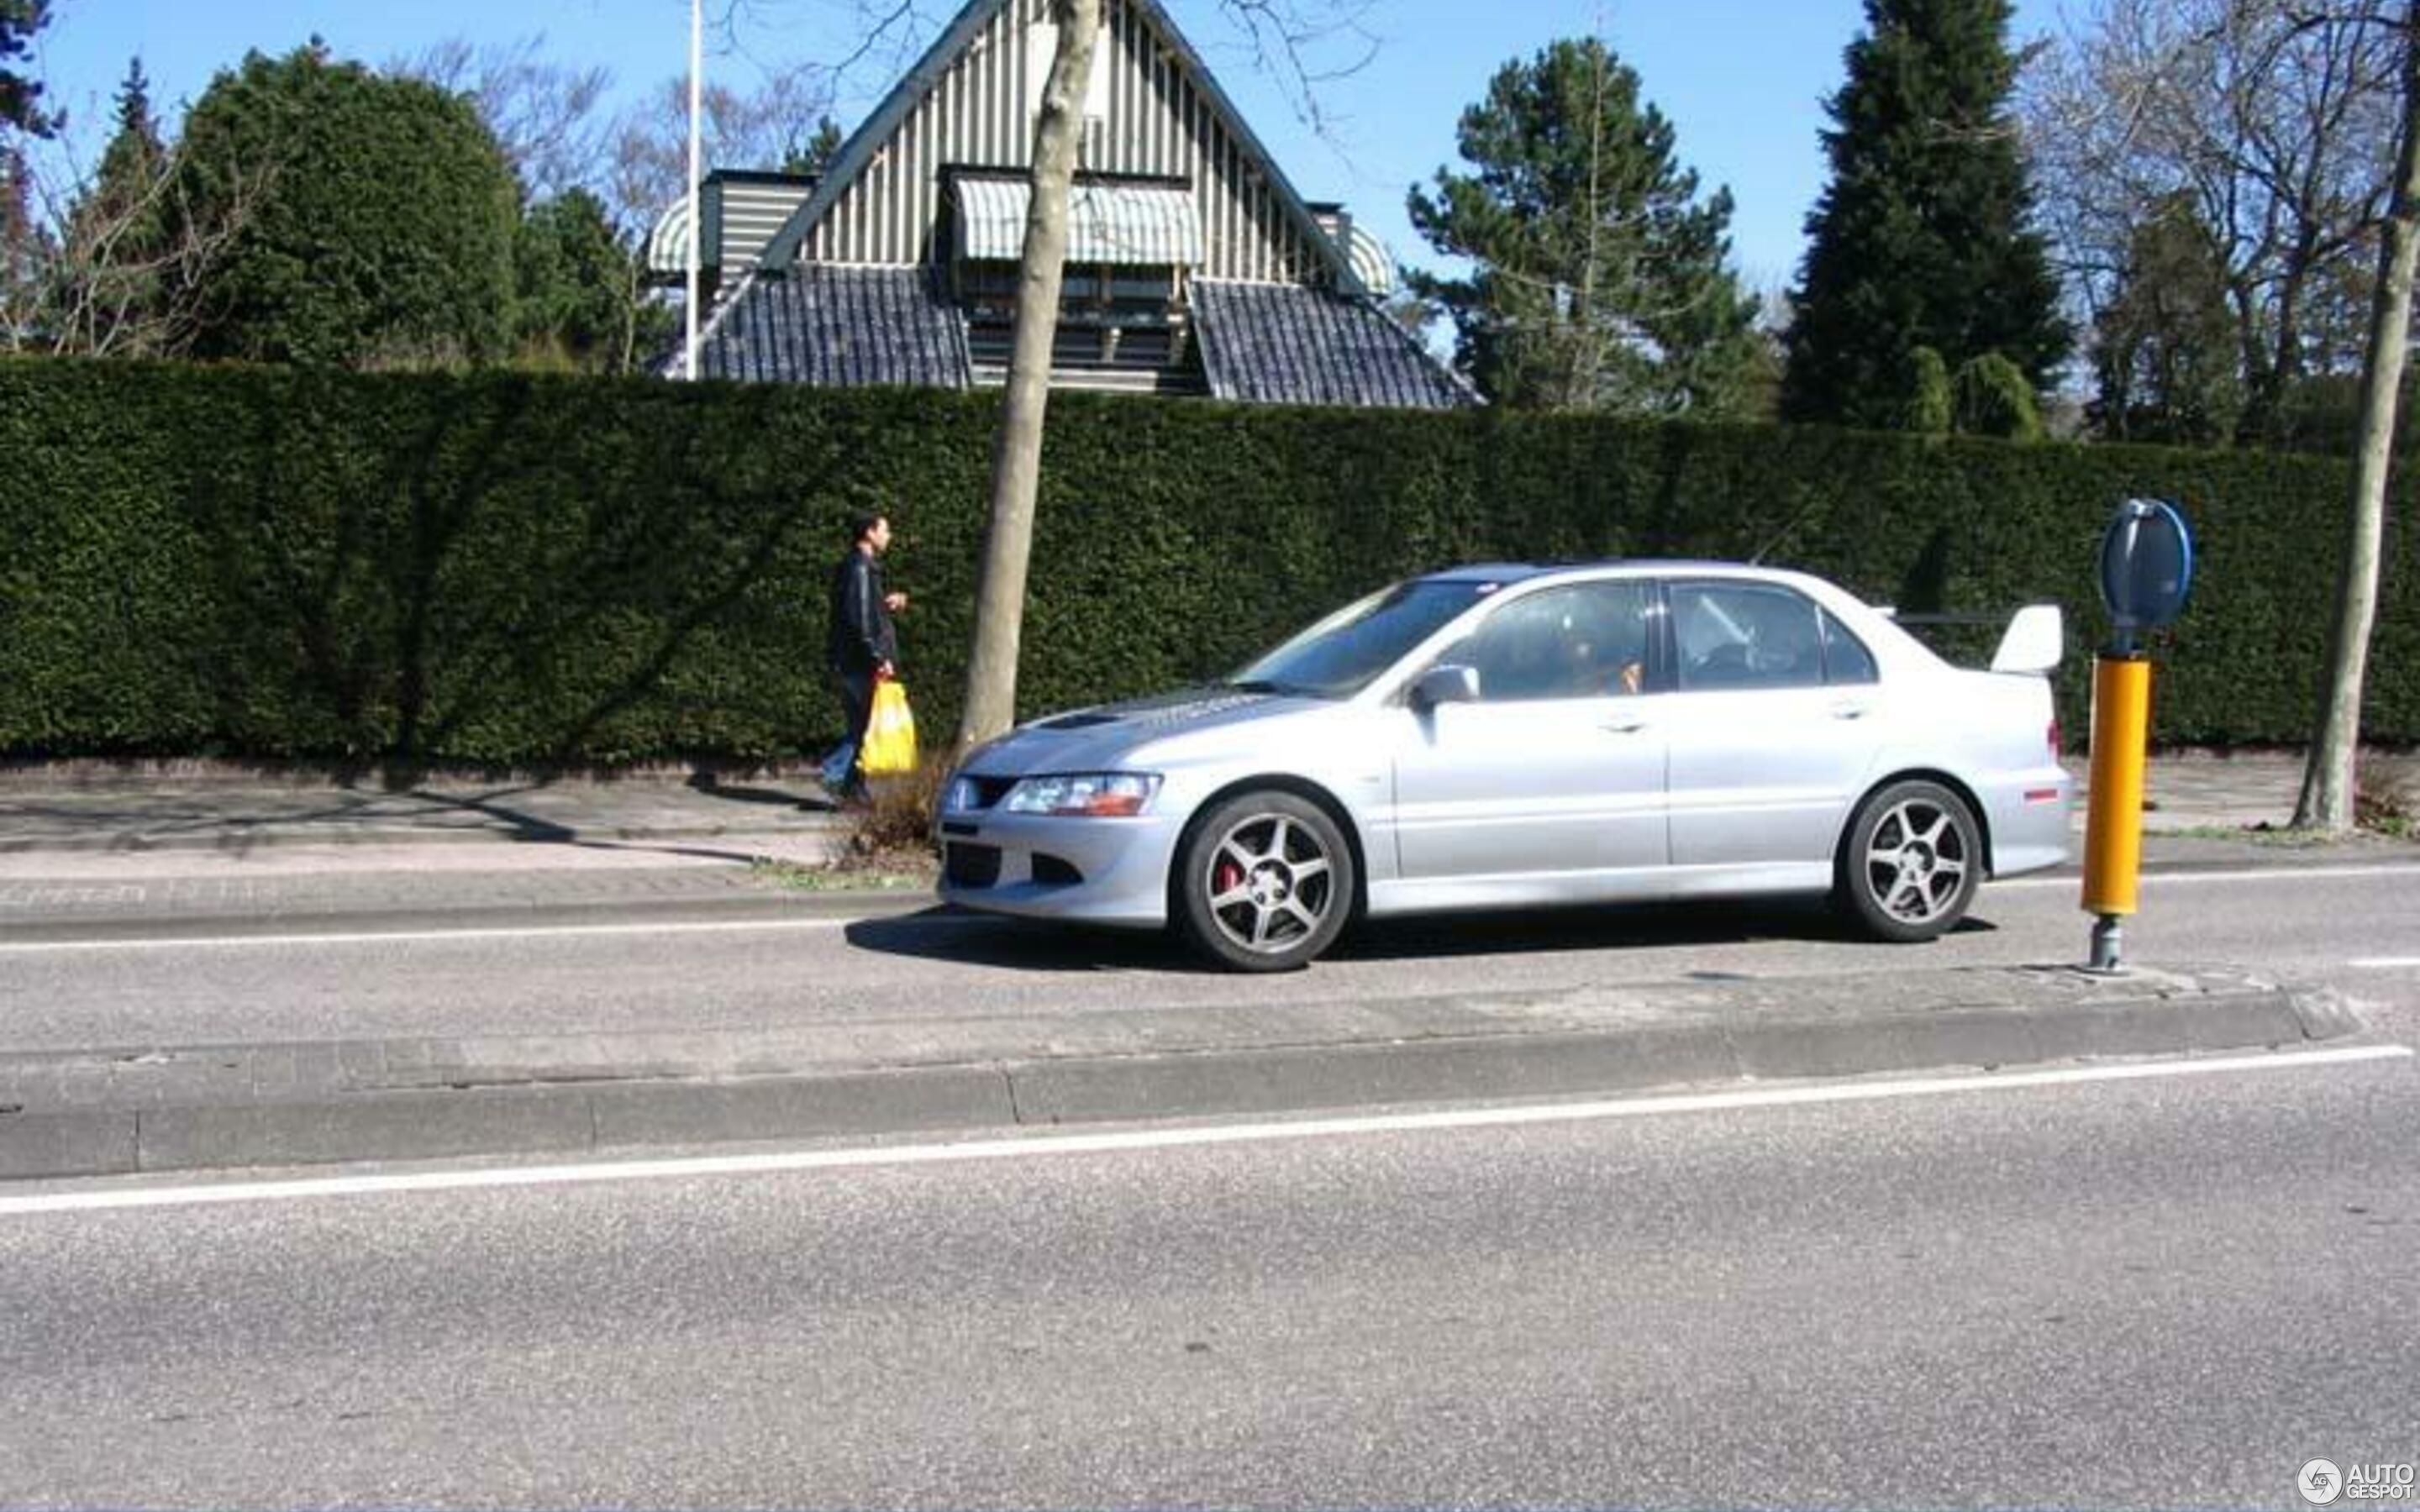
point(414, 1101)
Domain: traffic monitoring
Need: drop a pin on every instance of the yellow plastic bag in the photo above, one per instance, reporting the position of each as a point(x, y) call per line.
point(889, 734)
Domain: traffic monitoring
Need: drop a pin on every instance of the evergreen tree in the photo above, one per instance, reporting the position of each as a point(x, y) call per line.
point(2164, 351)
point(379, 216)
point(1600, 280)
point(23, 256)
point(574, 284)
point(21, 95)
point(1932, 408)
point(1922, 237)
point(816, 152)
point(1992, 396)
point(119, 222)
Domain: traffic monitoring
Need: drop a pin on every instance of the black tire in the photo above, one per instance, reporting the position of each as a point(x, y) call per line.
point(1910, 862)
point(1264, 882)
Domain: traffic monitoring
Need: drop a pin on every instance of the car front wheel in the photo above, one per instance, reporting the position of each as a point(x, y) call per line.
point(1264, 882)
point(1911, 862)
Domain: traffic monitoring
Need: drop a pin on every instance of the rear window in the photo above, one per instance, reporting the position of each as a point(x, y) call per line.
point(1845, 657)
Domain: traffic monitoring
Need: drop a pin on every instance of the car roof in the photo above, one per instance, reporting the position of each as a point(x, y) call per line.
point(1510, 572)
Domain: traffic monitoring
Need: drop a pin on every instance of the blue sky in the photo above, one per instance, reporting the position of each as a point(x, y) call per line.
point(1742, 80)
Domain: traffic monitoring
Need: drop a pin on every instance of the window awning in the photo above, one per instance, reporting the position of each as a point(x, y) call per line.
point(1150, 224)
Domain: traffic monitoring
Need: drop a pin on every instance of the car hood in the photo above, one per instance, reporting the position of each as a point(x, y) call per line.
point(1107, 737)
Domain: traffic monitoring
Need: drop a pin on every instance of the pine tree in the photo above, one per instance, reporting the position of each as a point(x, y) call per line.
point(2165, 350)
point(1601, 280)
point(21, 95)
point(126, 193)
point(112, 296)
point(24, 255)
point(815, 153)
point(1922, 237)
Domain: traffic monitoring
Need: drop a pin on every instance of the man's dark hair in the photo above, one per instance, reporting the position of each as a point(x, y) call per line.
point(862, 522)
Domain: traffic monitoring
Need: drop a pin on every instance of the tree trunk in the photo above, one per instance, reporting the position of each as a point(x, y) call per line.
point(1016, 457)
point(2327, 799)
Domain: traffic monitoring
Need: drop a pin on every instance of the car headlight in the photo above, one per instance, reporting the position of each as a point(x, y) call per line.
point(964, 796)
point(1095, 795)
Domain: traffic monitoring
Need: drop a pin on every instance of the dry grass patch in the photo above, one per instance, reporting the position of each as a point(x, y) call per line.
point(2386, 795)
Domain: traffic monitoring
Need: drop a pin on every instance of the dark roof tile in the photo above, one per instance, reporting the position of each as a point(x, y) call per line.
point(839, 326)
point(1283, 344)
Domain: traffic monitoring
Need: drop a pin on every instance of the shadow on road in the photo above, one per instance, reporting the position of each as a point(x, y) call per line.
point(1038, 946)
point(1016, 944)
point(813, 798)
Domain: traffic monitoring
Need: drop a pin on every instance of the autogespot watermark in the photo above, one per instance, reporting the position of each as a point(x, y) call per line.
point(2323, 1484)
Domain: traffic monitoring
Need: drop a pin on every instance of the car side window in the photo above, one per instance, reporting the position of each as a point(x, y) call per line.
point(1736, 635)
point(1585, 641)
point(1845, 657)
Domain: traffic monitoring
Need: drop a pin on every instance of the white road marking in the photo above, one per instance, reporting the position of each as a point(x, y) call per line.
point(2385, 962)
point(422, 936)
point(1043, 1147)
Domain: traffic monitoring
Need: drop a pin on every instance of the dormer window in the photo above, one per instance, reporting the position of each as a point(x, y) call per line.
point(1125, 317)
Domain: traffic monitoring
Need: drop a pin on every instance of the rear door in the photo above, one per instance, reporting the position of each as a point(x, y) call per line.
point(1776, 723)
point(1559, 767)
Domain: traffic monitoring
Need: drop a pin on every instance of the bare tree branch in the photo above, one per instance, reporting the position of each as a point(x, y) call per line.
point(544, 114)
point(120, 274)
point(2277, 116)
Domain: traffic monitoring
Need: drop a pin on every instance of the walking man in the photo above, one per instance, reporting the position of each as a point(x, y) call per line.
point(863, 647)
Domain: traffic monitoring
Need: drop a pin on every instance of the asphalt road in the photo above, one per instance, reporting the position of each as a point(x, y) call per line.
point(2164, 1292)
point(642, 967)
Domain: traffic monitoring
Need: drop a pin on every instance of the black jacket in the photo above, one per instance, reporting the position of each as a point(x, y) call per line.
point(861, 633)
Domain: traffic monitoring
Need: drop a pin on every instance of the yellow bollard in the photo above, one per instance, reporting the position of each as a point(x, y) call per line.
point(2113, 824)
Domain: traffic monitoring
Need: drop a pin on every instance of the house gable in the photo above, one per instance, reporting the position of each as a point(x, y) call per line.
point(968, 105)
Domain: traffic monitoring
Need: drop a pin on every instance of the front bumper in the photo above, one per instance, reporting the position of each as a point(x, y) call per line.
point(1088, 871)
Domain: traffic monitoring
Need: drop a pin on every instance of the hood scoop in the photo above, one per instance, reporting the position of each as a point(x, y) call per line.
point(1077, 721)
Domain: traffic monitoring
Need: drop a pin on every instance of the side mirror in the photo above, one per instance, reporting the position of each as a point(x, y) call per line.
point(2036, 641)
point(1445, 685)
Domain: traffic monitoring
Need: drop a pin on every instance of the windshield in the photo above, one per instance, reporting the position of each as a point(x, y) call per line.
point(1340, 655)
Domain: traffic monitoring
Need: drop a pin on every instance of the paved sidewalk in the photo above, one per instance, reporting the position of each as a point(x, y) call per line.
point(97, 807)
point(190, 806)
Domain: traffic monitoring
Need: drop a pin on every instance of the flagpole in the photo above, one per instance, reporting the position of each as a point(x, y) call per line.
point(696, 228)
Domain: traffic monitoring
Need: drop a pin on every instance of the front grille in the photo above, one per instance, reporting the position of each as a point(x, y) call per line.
point(970, 866)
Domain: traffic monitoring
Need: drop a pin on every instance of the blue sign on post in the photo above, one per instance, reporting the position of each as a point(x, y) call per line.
point(2146, 567)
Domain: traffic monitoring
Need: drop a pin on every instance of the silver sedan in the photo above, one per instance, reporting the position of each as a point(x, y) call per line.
point(1512, 736)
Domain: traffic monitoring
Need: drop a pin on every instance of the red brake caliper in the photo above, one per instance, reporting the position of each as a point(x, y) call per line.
point(1226, 878)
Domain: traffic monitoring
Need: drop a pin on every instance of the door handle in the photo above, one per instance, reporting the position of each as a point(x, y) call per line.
point(1849, 711)
point(1623, 727)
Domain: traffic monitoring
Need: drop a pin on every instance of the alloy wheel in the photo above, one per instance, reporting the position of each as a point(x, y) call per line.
point(1917, 861)
point(1271, 882)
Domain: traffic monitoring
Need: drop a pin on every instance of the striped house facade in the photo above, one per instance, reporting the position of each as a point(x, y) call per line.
point(1194, 267)
point(1148, 114)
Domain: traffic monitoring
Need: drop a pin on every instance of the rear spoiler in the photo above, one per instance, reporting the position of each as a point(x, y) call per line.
point(2035, 643)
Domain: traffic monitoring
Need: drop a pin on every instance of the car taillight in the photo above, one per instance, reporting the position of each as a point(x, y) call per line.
point(2054, 750)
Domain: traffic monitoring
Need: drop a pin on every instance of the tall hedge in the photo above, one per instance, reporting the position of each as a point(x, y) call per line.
point(506, 569)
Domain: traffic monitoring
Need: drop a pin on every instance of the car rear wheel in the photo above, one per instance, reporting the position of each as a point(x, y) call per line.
point(1911, 862)
point(1264, 882)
